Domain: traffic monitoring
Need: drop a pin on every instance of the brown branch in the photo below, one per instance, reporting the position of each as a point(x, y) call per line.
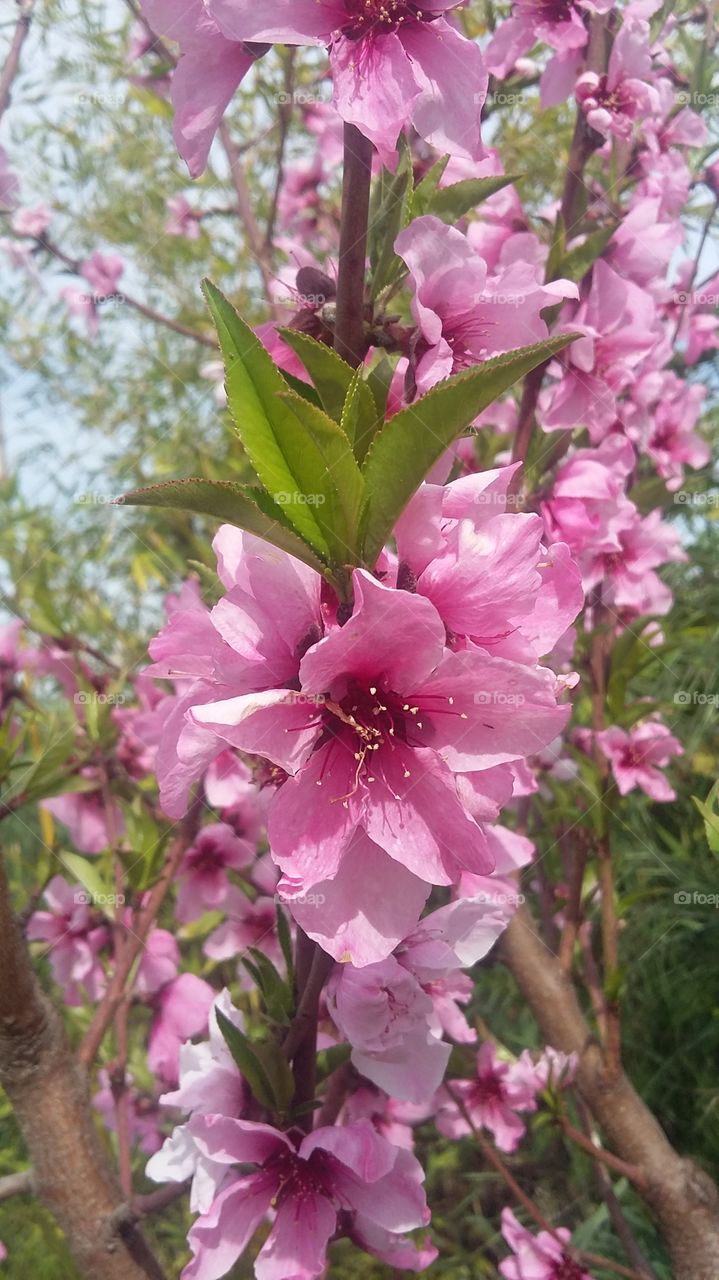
point(630, 1171)
point(135, 939)
point(12, 63)
point(492, 1157)
point(584, 142)
point(48, 1092)
point(350, 341)
point(247, 215)
point(17, 1184)
point(681, 1195)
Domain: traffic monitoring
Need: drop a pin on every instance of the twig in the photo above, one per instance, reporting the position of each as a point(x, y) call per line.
point(247, 215)
point(284, 112)
point(17, 1184)
point(135, 940)
point(350, 340)
point(12, 62)
point(683, 1198)
point(518, 1192)
point(630, 1171)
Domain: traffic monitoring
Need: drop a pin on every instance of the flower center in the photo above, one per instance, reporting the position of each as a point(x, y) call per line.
point(549, 11)
point(207, 857)
point(299, 1178)
point(488, 1088)
point(380, 17)
point(567, 1269)
point(366, 719)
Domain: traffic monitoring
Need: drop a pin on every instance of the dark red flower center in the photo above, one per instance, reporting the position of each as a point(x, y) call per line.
point(568, 1269)
point(487, 1088)
point(380, 17)
point(207, 856)
point(299, 1178)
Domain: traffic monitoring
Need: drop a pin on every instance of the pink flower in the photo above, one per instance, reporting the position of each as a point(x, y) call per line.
point(209, 1082)
point(103, 271)
point(637, 756)
point(247, 924)
point(660, 418)
point(32, 222)
point(85, 815)
point(182, 219)
point(347, 1178)
point(613, 102)
point(209, 70)
point(488, 572)
point(394, 1013)
point(540, 1257)
point(182, 1009)
point(393, 63)
point(203, 873)
point(75, 941)
point(618, 319)
point(493, 1098)
point(463, 316)
point(142, 1111)
point(383, 718)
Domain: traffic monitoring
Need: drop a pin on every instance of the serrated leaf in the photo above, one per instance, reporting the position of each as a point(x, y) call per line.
point(249, 509)
point(409, 444)
point(389, 214)
point(269, 430)
point(453, 202)
point(275, 991)
point(426, 188)
point(331, 375)
point(244, 1054)
point(339, 487)
point(360, 419)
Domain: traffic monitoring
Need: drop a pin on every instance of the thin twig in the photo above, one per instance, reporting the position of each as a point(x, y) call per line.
point(12, 62)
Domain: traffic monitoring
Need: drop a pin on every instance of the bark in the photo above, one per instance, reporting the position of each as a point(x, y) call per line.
point(49, 1094)
point(681, 1196)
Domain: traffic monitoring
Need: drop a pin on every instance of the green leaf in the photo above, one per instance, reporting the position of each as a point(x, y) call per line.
point(279, 1073)
point(453, 202)
point(389, 213)
point(285, 939)
point(360, 419)
point(410, 443)
point(710, 814)
point(329, 463)
point(269, 430)
point(250, 509)
point(330, 374)
point(248, 1060)
point(275, 991)
point(576, 263)
point(424, 191)
point(100, 892)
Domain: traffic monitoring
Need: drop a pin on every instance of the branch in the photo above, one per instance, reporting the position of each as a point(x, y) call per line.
point(350, 340)
point(17, 1184)
point(49, 1095)
point(135, 939)
point(12, 63)
point(247, 216)
point(682, 1197)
